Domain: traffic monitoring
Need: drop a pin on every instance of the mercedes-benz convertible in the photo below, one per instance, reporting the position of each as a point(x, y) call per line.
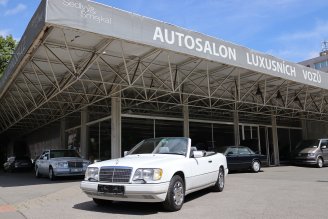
point(156, 170)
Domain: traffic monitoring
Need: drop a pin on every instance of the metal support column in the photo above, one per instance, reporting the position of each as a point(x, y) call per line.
point(186, 121)
point(84, 134)
point(62, 133)
point(275, 140)
point(116, 126)
point(304, 129)
point(236, 125)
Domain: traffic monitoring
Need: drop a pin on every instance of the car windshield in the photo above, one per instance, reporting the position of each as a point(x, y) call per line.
point(308, 144)
point(222, 150)
point(63, 153)
point(161, 146)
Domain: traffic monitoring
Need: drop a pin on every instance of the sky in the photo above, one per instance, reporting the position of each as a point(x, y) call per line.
point(289, 29)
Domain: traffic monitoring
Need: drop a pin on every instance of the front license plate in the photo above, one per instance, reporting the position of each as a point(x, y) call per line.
point(111, 189)
point(76, 170)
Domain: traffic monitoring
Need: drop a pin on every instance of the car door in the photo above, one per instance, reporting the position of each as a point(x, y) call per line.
point(245, 157)
point(232, 158)
point(44, 163)
point(201, 170)
point(324, 150)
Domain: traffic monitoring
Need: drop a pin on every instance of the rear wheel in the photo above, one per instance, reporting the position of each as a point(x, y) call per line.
point(175, 194)
point(256, 166)
point(319, 162)
point(219, 185)
point(51, 174)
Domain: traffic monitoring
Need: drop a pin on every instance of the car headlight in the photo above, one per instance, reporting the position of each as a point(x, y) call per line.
point(311, 154)
point(147, 175)
point(62, 165)
point(92, 174)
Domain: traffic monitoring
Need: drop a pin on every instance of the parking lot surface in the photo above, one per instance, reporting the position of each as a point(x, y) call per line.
point(276, 192)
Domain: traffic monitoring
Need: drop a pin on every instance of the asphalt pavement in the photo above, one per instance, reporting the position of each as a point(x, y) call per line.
point(276, 192)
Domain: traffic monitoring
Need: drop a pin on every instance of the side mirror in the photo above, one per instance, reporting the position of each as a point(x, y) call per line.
point(197, 154)
point(323, 147)
point(126, 153)
point(45, 158)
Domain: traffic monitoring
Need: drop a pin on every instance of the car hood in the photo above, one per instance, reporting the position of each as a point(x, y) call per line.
point(140, 160)
point(307, 150)
point(68, 159)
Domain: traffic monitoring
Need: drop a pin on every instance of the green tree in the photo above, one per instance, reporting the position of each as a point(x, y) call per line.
point(7, 47)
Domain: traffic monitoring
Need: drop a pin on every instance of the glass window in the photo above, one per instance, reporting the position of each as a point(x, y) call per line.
point(324, 143)
point(320, 65)
point(232, 151)
point(243, 151)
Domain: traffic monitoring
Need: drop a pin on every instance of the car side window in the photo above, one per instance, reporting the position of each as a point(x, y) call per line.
point(324, 143)
point(243, 151)
point(232, 152)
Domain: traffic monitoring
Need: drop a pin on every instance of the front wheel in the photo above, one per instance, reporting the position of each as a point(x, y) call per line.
point(219, 185)
point(37, 173)
point(175, 194)
point(256, 166)
point(319, 162)
point(51, 174)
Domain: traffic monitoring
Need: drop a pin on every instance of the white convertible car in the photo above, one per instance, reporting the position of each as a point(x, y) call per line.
point(156, 170)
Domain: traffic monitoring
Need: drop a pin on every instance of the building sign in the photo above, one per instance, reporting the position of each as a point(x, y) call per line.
point(97, 18)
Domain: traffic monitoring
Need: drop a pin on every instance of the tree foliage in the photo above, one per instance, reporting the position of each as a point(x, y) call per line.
point(7, 48)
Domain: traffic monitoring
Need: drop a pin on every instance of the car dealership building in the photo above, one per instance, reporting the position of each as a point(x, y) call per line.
point(99, 79)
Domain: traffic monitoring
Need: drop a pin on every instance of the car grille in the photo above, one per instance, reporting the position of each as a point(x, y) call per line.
point(115, 174)
point(75, 164)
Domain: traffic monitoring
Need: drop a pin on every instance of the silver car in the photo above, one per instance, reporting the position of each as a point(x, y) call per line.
point(312, 152)
point(63, 162)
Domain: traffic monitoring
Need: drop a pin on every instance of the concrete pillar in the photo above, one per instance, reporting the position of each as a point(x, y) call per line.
point(236, 125)
point(116, 127)
point(62, 133)
point(275, 140)
point(84, 133)
point(304, 129)
point(185, 121)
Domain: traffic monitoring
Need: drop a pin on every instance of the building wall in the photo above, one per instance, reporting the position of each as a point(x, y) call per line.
point(45, 138)
point(316, 129)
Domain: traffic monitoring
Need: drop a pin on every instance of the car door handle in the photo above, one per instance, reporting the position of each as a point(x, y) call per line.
point(210, 161)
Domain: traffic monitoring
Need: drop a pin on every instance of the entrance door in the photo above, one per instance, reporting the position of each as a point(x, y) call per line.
point(266, 144)
point(250, 137)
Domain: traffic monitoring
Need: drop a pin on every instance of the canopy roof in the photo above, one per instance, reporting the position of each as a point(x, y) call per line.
point(78, 53)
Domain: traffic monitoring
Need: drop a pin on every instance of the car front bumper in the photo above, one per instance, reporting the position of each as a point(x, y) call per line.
point(305, 161)
point(69, 171)
point(132, 192)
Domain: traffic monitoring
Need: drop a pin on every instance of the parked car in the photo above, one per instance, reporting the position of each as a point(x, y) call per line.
point(64, 162)
point(312, 152)
point(156, 170)
point(17, 163)
point(243, 158)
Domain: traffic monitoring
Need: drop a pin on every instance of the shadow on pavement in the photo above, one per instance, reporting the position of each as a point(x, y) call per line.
point(133, 208)
point(15, 179)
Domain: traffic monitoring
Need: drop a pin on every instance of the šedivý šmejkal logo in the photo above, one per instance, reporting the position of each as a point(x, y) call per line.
point(87, 11)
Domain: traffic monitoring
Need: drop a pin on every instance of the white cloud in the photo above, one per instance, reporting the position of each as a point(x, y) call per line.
point(16, 10)
point(3, 2)
point(301, 45)
point(4, 32)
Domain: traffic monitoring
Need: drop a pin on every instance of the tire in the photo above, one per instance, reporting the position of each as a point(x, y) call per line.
point(37, 173)
point(51, 174)
point(319, 162)
point(101, 202)
point(256, 166)
point(219, 185)
point(175, 194)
